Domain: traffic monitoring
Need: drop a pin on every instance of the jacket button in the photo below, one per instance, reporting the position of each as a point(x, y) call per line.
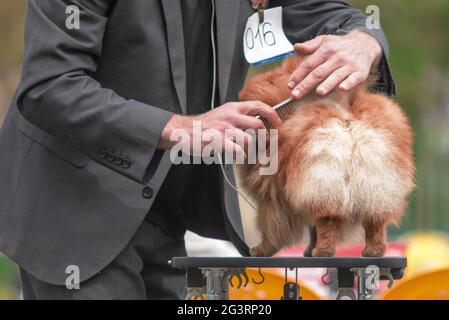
point(102, 154)
point(118, 161)
point(126, 163)
point(147, 193)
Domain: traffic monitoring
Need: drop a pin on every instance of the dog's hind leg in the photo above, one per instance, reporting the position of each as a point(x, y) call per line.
point(264, 249)
point(375, 238)
point(328, 235)
point(276, 230)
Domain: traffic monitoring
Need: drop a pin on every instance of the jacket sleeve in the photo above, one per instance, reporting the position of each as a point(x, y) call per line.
point(59, 95)
point(306, 19)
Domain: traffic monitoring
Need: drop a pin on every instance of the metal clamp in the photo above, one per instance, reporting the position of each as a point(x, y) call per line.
point(367, 281)
point(369, 278)
point(261, 12)
point(217, 283)
point(346, 294)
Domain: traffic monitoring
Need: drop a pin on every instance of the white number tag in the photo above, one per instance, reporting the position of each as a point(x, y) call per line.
point(265, 42)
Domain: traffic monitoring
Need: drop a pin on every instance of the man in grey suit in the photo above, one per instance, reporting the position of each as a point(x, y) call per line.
point(90, 204)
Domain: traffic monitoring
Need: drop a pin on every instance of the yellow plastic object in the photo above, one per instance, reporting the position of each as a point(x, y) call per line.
point(271, 289)
point(427, 251)
point(429, 285)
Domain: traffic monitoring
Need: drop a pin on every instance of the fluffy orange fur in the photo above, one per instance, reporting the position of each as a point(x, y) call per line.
point(344, 159)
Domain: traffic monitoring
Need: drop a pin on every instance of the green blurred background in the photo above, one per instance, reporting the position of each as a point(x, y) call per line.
point(419, 41)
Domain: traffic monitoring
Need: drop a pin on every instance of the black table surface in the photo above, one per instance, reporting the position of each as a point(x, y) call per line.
point(288, 262)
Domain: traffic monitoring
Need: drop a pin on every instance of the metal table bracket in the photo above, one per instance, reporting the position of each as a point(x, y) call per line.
point(210, 277)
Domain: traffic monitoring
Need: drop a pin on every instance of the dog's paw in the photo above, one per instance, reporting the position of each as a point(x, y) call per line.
point(261, 250)
point(374, 250)
point(323, 252)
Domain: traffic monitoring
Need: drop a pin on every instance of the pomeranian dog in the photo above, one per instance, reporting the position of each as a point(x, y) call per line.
point(345, 159)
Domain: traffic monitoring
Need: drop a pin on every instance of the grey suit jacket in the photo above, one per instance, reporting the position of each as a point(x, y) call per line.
point(79, 166)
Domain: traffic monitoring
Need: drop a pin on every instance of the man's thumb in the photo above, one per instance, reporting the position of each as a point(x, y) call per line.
point(308, 47)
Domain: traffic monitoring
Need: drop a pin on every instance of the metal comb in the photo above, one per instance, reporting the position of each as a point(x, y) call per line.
point(284, 109)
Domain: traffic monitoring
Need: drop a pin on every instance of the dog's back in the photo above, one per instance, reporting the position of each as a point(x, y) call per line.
point(347, 155)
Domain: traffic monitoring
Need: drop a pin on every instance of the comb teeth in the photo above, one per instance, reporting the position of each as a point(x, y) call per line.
point(266, 123)
point(283, 113)
point(284, 109)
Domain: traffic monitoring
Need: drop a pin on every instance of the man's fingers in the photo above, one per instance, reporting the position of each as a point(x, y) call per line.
point(353, 80)
point(240, 137)
point(233, 150)
point(307, 65)
point(254, 108)
point(334, 80)
point(314, 78)
point(308, 47)
point(257, 3)
point(248, 122)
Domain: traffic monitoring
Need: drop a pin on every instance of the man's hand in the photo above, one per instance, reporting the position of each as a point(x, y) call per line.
point(233, 116)
point(331, 61)
point(257, 3)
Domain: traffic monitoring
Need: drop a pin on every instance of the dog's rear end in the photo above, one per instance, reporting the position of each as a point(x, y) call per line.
point(343, 159)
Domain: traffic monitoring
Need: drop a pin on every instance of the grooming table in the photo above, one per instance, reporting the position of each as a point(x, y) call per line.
point(210, 277)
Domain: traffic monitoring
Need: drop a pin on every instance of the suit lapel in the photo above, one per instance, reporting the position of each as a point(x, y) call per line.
point(228, 14)
point(176, 49)
point(229, 20)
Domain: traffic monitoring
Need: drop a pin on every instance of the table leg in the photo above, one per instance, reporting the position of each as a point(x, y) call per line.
point(345, 285)
point(217, 284)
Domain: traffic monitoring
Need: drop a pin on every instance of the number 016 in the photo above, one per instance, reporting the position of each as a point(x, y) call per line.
point(263, 35)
